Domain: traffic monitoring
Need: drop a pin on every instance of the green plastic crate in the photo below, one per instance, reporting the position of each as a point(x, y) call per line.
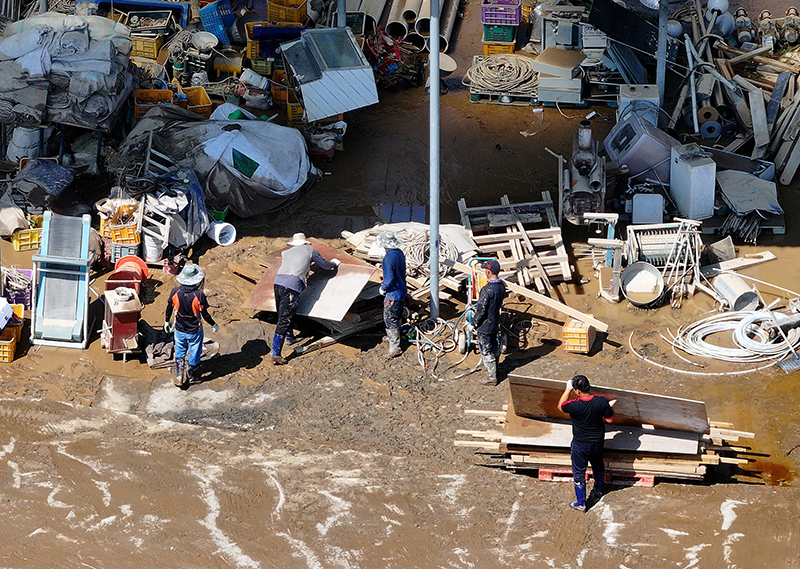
point(498, 33)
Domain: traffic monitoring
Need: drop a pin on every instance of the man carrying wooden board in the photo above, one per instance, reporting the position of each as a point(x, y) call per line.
point(589, 414)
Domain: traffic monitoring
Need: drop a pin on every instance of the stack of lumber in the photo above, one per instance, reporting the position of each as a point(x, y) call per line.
point(455, 243)
point(652, 435)
point(525, 238)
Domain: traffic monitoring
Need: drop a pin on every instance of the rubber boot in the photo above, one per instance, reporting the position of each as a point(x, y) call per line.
point(277, 346)
point(580, 498)
point(597, 489)
point(192, 373)
point(289, 339)
point(178, 381)
point(490, 362)
point(394, 342)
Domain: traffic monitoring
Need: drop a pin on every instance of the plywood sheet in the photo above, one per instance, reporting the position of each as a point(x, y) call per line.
point(538, 397)
point(325, 296)
point(521, 431)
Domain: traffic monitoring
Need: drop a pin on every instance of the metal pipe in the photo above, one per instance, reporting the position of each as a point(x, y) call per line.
point(411, 10)
point(449, 16)
point(691, 83)
point(395, 25)
point(417, 41)
point(427, 10)
point(341, 14)
point(374, 10)
point(661, 61)
point(433, 69)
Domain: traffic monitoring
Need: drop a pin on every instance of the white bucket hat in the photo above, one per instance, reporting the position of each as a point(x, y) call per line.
point(388, 240)
point(191, 275)
point(299, 239)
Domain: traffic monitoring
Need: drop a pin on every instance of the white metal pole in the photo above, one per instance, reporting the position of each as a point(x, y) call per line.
point(433, 73)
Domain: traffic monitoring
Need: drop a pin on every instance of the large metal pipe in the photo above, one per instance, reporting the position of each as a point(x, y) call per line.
point(411, 10)
point(396, 26)
point(449, 16)
point(417, 40)
point(423, 23)
point(374, 10)
point(433, 200)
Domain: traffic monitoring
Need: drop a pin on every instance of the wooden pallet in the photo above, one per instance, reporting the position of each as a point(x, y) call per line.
point(500, 98)
point(524, 237)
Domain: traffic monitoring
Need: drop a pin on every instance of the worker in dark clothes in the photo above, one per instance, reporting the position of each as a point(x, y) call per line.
point(289, 283)
point(190, 304)
point(393, 288)
point(589, 414)
point(487, 319)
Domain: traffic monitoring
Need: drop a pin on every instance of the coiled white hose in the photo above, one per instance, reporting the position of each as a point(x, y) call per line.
point(503, 73)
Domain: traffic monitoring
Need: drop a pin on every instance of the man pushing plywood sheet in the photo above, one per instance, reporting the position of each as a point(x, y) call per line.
point(537, 397)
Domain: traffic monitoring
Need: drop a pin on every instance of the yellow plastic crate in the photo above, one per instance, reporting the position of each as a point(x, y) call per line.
point(199, 101)
point(252, 45)
point(146, 47)
point(278, 13)
point(10, 336)
point(578, 336)
point(27, 239)
point(123, 234)
point(146, 99)
point(295, 113)
point(498, 47)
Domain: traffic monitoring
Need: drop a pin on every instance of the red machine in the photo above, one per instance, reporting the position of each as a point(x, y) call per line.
point(120, 333)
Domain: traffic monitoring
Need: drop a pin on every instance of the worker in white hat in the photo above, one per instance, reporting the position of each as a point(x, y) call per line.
point(190, 304)
point(393, 288)
point(289, 283)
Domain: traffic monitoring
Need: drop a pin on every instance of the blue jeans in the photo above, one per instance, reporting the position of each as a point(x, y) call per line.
point(583, 455)
point(191, 342)
point(392, 313)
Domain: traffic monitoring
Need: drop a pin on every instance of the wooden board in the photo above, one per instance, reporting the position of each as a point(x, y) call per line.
point(523, 432)
point(538, 398)
point(325, 297)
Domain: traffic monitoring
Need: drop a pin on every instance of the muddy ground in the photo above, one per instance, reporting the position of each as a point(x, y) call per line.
point(339, 460)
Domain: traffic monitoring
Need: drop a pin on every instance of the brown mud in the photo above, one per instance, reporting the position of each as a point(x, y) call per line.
point(340, 460)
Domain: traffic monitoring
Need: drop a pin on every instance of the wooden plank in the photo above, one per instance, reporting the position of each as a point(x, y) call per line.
point(774, 63)
point(750, 54)
point(737, 264)
point(520, 431)
point(548, 232)
point(540, 298)
point(538, 398)
point(478, 444)
point(244, 272)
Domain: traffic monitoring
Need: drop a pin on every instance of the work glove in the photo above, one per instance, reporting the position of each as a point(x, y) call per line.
point(336, 262)
point(612, 402)
point(215, 328)
point(383, 292)
point(169, 327)
point(569, 384)
point(469, 328)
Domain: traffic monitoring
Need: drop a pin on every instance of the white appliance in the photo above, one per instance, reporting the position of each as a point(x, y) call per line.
point(641, 99)
point(692, 181)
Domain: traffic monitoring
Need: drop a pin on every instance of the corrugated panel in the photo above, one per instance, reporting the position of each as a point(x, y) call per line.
point(338, 92)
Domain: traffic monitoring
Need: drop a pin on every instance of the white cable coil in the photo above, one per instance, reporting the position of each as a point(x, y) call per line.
point(503, 73)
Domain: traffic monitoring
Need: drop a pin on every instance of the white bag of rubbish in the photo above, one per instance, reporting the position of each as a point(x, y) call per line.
point(324, 139)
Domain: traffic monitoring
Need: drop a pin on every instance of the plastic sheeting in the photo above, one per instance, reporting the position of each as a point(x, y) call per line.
point(252, 167)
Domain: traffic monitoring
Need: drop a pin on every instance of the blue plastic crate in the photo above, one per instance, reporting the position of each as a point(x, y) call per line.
point(217, 17)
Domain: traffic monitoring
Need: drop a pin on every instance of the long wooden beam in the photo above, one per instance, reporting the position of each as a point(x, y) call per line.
point(540, 298)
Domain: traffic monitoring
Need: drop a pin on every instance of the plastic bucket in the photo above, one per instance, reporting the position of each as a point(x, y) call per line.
point(153, 249)
point(733, 289)
point(642, 283)
point(222, 233)
point(250, 77)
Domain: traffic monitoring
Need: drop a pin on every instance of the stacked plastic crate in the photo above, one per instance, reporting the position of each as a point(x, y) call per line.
point(500, 23)
point(217, 17)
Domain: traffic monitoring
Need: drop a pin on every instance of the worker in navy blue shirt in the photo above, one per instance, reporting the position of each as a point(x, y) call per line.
point(393, 288)
point(589, 414)
point(486, 320)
